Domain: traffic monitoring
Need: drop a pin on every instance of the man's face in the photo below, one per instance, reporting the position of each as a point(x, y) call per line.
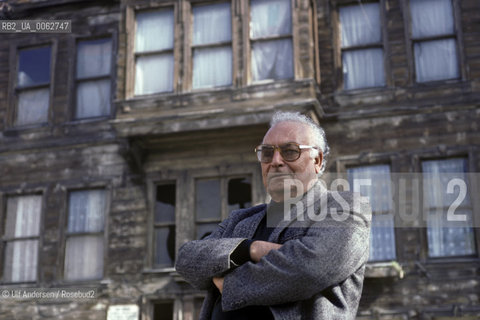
point(304, 169)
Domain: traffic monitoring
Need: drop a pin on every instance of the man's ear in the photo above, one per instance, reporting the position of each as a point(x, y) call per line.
point(318, 162)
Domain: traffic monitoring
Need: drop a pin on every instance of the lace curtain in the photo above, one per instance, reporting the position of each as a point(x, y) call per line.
point(435, 59)
point(94, 59)
point(360, 25)
point(212, 66)
point(154, 33)
point(84, 253)
point(446, 238)
point(271, 59)
point(382, 236)
point(21, 256)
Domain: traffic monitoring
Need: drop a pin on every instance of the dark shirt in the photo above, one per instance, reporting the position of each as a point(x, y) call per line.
point(242, 255)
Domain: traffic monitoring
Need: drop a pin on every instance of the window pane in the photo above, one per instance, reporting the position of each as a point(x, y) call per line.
point(239, 193)
point(270, 18)
point(272, 60)
point(34, 66)
point(363, 68)
point(93, 99)
point(33, 107)
point(163, 311)
point(212, 67)
point(165, 204)
point(164, 246)
point(436, 60)
point(379, 193)
point(86, 211)
point(360, 24)
point(154, 31)
point(446, 238)
point(208, 202)
point(205, 229)
point(84, 258)
point(431, 17)
point(154, 74)
point(23, 216)
point(21, 261)
point(94, 58)
point(211, 23)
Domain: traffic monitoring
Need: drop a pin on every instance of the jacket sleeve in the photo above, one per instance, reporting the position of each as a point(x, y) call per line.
point(198, 261)
point(329, 253)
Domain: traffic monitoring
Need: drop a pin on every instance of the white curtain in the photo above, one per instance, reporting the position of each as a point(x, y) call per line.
point(382, 236)
point(212, 23)
point(33, 106)
point(431, 18)
point(86, 211)
point(272, 60)
point(363, 68)
point(84, 257)
point(93, 99)
point(212, 67)
point(436, 60)
point(154, 31)
point(84, 254)
point(446, 238)
point(270, 18)
point(94, 58)
point(360, 24)
point(21, 256)
point(154, 74)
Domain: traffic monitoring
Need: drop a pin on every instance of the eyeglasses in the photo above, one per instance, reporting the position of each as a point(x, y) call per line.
point(290, 151)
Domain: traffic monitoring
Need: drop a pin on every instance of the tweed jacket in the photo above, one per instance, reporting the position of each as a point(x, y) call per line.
point(316, 274)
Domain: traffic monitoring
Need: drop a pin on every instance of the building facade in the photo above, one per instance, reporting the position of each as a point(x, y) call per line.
point(134, 133)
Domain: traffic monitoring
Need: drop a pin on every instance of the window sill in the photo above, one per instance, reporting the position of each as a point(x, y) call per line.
point(390, 269)
point(167, 272)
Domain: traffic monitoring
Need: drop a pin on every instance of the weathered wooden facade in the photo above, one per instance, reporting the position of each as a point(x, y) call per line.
point(112, 144)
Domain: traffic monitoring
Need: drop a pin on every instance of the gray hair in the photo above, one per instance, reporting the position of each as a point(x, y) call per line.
point(318, 134)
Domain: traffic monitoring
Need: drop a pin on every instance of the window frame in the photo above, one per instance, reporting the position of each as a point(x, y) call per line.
point(3, 240)
point(247, 43)
point(457, 35)
point(190, 47)
point(13, 90)
point(130, 24)
point(74, 81)
point(338, 50)
point(468, 154)
point(65, 234)
point(224, 213)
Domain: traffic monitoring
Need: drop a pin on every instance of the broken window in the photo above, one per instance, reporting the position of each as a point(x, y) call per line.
point(164, 226)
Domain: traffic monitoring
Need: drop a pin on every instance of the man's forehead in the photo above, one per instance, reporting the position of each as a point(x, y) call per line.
point(288, 131)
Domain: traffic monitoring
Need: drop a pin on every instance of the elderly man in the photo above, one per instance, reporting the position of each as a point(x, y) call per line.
point(296, 258)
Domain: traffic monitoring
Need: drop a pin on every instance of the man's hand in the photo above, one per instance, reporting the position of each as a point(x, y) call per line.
point(218, 282)
point(259, 248)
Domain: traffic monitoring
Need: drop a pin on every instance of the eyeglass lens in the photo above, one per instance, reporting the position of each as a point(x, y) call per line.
point(289, 152)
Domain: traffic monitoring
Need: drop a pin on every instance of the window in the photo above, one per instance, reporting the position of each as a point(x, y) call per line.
point(33, 86)
point(447, 238)
point(21, 237)
point(84, 249)
point(93, 84)
point(163, 310)
point(212, 45)
point(216, 198)
point(271, 39)
point(382, 237)
point(361, 46)
point(164, 226)
point(154, 61)
point(433, 36)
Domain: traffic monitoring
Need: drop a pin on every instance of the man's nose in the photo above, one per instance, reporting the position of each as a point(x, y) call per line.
point(277, 160)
